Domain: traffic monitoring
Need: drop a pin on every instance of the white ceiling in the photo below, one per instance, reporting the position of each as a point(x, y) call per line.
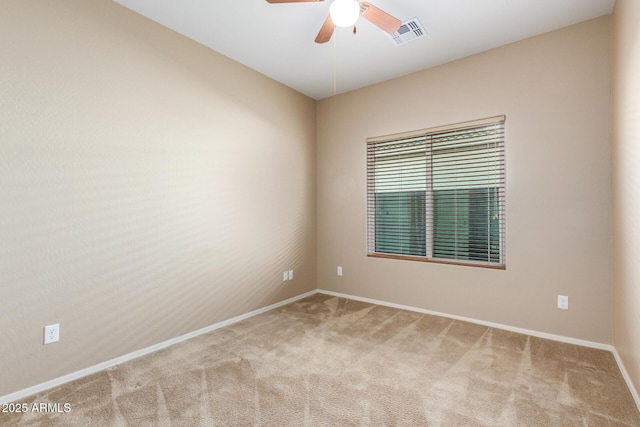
point(278, 39)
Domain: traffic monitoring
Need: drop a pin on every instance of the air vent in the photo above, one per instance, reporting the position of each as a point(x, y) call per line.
point(409, 30)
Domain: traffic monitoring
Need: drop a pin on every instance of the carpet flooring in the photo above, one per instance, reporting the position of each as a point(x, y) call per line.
point(327, 361)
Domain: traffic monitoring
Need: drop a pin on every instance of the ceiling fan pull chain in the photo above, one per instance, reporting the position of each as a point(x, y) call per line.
point(354, 30)
point(334, 65)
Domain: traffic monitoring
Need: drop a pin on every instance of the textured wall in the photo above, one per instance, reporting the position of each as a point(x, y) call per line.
point(626, 185)
point(149, 187)
point(554, 90)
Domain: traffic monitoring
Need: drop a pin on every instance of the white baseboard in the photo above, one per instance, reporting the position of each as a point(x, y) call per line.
point(627, 378)
point(553, 337)
point(600, 346)
point(118, 360)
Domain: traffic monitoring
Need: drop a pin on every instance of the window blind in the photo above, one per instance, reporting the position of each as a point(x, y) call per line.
point(439, 194)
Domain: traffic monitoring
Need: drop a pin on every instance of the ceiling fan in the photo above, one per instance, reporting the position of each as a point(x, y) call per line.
point(345, 13)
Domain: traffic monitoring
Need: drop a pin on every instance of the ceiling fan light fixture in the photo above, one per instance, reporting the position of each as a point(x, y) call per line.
point(344, 13)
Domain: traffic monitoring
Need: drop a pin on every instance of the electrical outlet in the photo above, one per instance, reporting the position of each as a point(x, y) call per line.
point(290, 274)
point(339, 271)
point(285, 276)
point(563, 302)
point(52, 333)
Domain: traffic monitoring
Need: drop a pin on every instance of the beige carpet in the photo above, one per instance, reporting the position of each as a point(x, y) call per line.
point(326, 361)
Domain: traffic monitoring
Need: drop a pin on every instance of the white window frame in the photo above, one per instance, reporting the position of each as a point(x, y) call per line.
point(429, 207)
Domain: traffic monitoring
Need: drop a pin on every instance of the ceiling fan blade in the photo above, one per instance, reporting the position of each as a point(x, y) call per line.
point(326, 31)
point(292, 1)
point(379, 18)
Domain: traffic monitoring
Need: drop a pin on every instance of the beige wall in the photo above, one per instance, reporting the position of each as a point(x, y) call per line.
point(149, 187)
point(626, 185)
point(554, 90)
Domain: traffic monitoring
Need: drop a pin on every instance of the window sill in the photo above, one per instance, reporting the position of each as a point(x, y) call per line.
point(440, 261)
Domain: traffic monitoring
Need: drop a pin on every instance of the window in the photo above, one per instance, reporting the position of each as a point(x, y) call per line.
point(439, 194)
